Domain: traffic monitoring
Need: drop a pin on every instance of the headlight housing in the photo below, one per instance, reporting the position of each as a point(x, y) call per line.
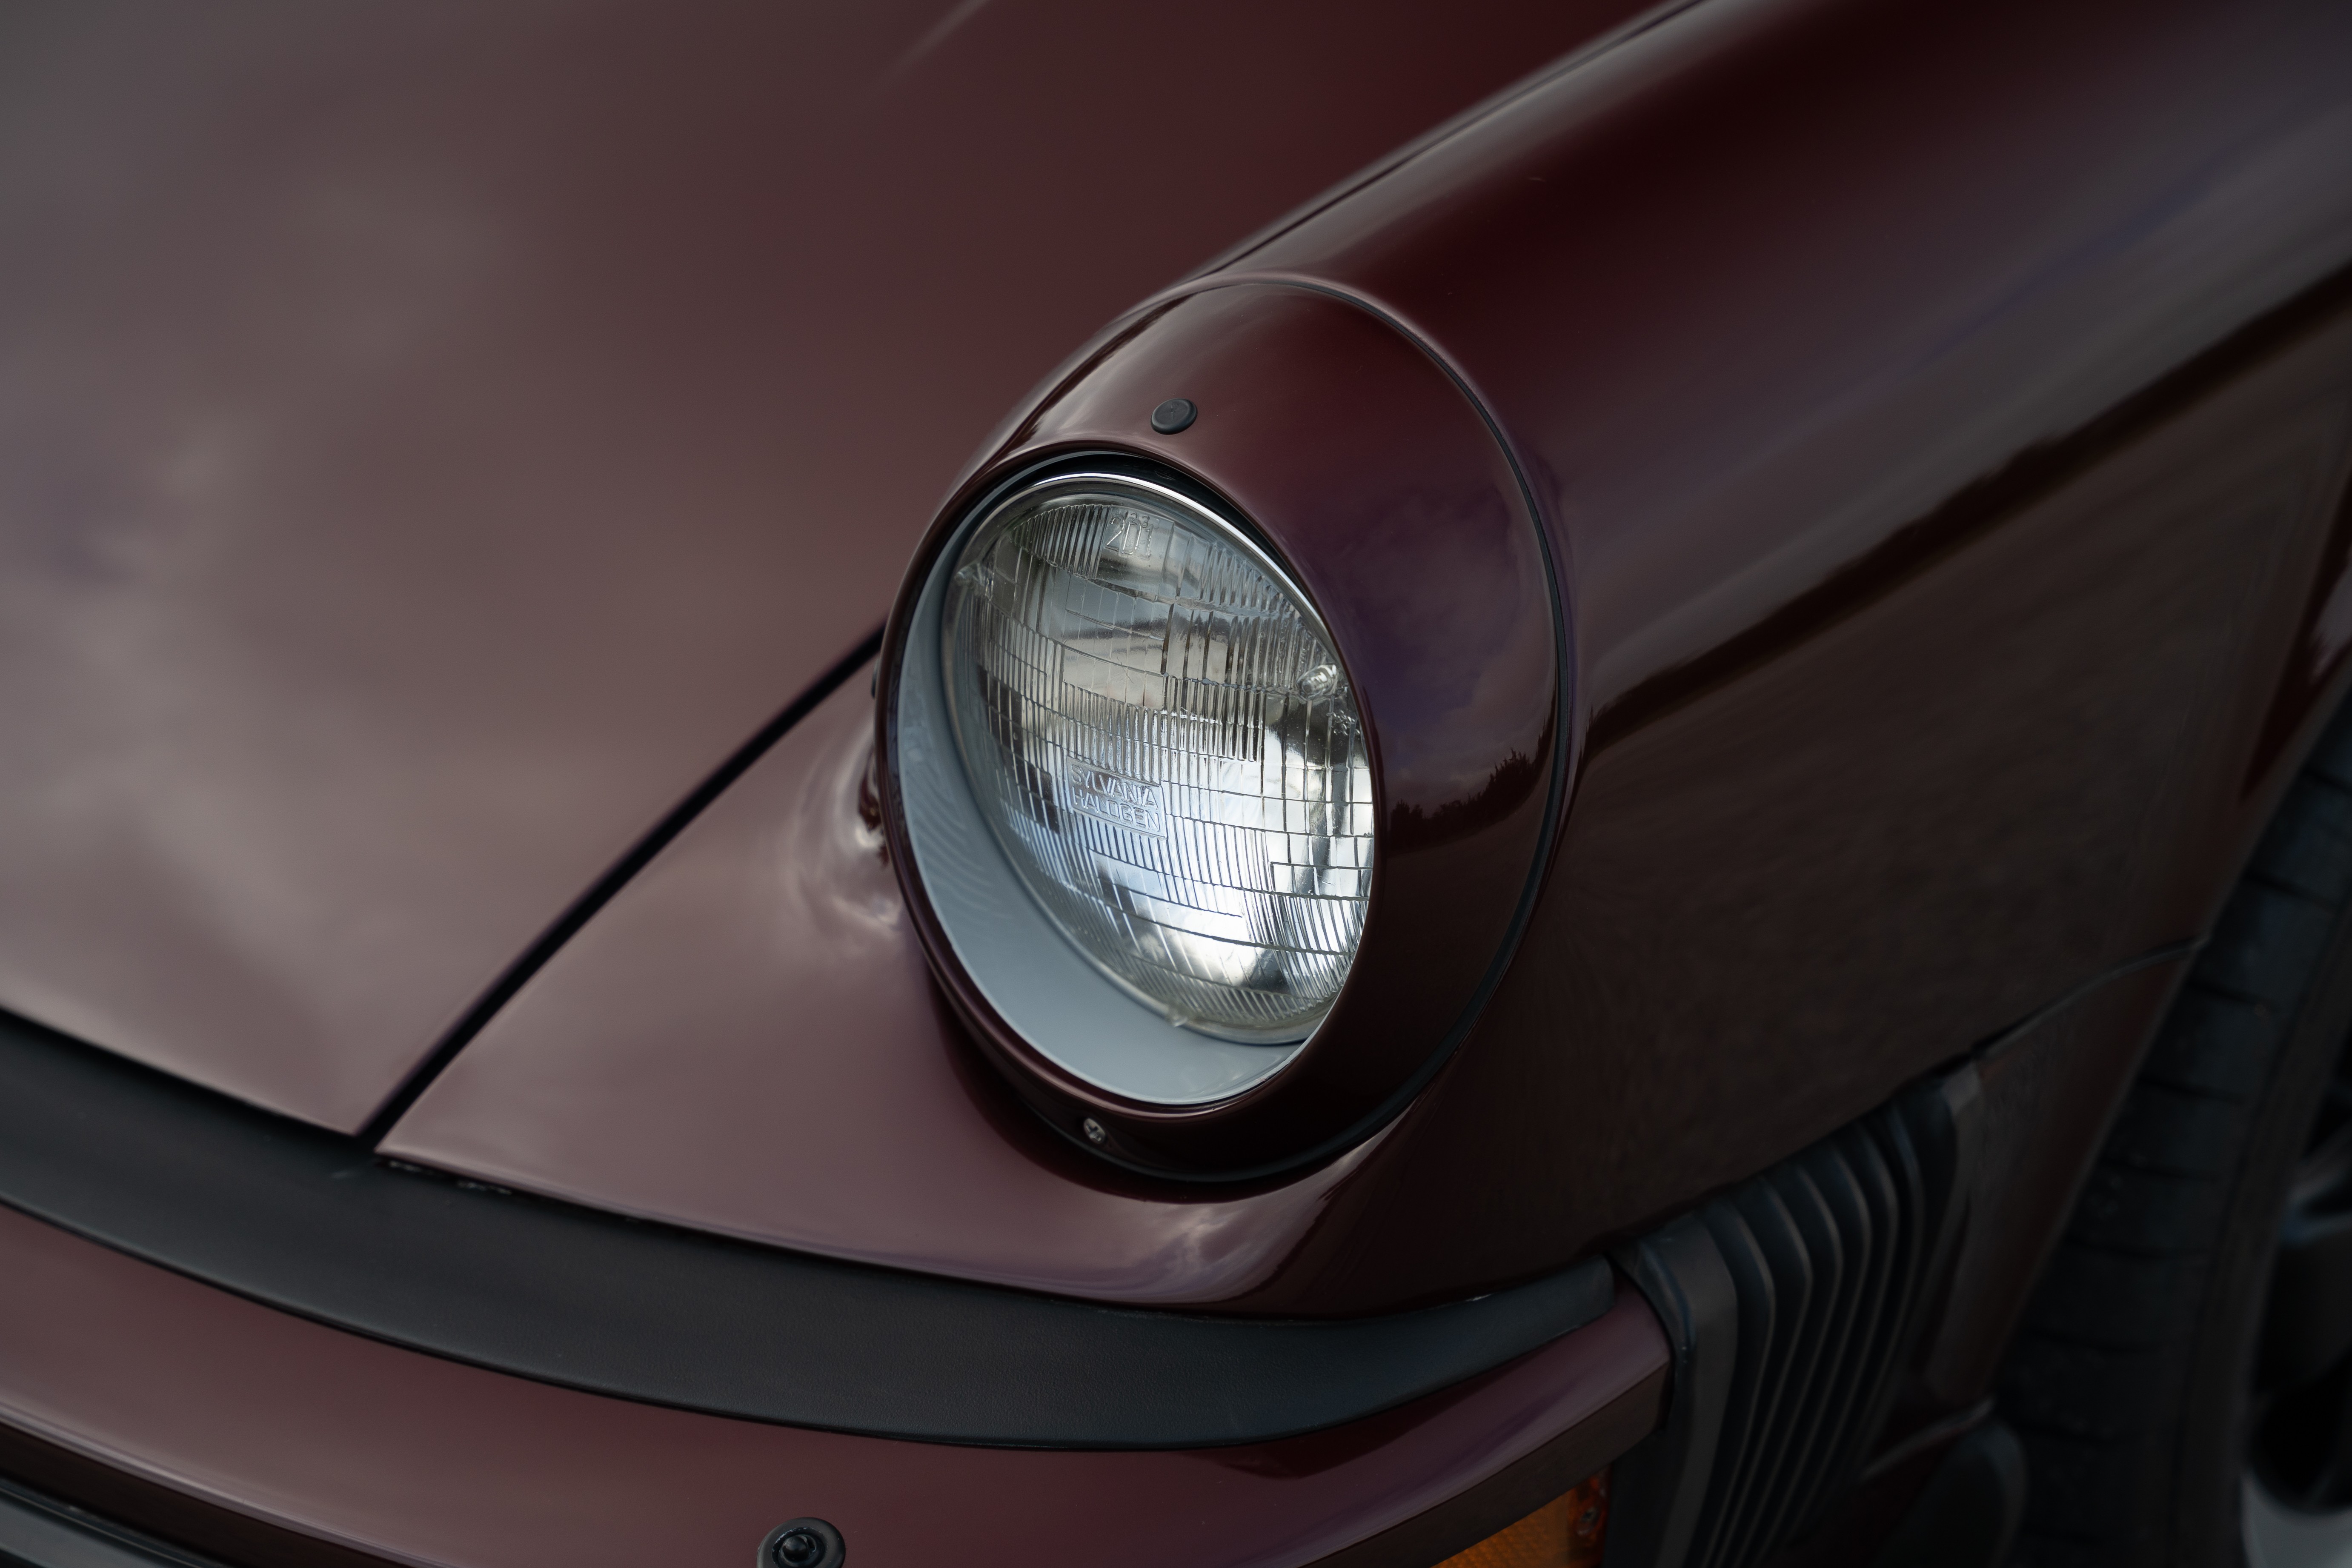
point(1139, 711)
point(1115, 624)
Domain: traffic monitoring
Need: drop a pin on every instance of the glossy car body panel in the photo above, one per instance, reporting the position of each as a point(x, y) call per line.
point(1922, 554)
point(763, 966)
point(746, 1039)
point(1939, 416)
point(1939, 554)
point(1757, 922)
point(437, 438)
point(339, 1438)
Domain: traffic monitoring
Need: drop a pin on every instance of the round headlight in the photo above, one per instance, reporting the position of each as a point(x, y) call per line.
point(1159, 734)
point(1151, 727)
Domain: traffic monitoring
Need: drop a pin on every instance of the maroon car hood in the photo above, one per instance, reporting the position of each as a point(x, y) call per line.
point(434, 438)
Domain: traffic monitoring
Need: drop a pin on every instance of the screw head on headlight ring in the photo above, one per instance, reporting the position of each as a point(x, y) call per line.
point(1100, 647)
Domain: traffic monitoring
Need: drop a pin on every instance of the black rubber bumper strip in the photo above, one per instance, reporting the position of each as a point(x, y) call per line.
point(308, 1221)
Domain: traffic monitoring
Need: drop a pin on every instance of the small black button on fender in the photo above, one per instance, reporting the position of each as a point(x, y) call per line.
point(802, 1543)
point(1176, 413)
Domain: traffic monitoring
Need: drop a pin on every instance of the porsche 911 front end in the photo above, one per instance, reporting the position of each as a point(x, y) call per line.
point(1621, 847)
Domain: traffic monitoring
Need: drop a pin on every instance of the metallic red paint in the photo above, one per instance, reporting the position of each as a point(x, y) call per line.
point(747, 1040)
point(763, 967)
point(1934, 560)
point(1937, 561)
point(425, 1461)
point(1926, 548)
point(1937, 815)
point(436, 435)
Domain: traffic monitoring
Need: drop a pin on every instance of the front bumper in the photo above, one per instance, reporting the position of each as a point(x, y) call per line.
point(117, 1372)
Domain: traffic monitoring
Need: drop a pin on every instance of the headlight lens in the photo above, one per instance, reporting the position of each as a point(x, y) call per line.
point(1155, 729)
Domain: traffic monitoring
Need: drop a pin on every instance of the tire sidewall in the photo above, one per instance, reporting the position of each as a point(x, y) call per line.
point(2208, 1458)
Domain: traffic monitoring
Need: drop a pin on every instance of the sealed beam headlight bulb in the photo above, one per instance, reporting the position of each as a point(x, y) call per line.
point(1156, 730)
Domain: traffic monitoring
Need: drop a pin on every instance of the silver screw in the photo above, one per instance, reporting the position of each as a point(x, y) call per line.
point(1093, 1129)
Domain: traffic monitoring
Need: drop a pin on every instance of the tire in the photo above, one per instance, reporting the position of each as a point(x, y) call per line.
point(2131, 1379)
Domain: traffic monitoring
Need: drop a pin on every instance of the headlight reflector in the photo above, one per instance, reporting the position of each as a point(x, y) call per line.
point(1156, 729)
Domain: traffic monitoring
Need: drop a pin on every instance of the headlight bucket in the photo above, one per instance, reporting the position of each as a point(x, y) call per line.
point(1375, 489)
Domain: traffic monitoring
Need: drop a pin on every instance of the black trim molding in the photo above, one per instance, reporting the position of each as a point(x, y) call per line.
point(312, 1223)
point(39, 1532)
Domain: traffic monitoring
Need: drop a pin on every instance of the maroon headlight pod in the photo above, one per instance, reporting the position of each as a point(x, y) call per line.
point(1330, 574)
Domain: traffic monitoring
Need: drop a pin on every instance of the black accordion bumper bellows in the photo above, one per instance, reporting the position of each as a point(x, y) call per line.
point(1791, 1301)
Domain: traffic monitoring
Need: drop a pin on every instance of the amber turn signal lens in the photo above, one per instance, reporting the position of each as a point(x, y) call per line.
point(1566, 1532)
